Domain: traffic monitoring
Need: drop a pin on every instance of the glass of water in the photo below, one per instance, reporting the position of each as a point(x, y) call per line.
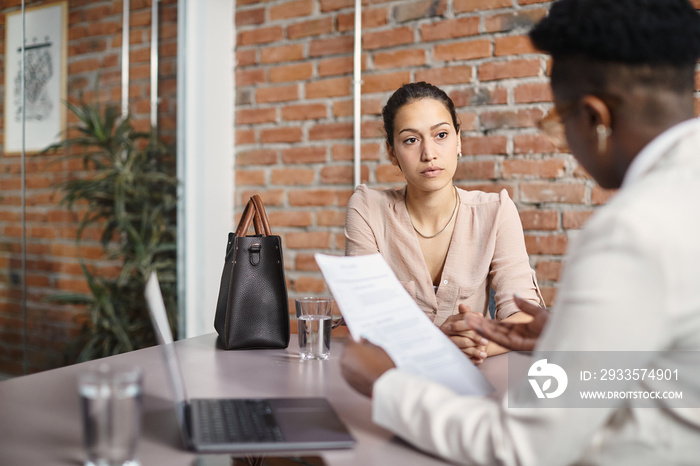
point(314, 317)
point(110, 398)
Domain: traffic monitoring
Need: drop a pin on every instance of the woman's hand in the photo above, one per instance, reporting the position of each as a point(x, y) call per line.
point(467, 340)
point(515, 336)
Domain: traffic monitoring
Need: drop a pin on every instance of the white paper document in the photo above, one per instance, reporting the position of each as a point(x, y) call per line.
point(376, 306)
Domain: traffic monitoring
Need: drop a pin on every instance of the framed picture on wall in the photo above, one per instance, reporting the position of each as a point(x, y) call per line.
point(45, 77)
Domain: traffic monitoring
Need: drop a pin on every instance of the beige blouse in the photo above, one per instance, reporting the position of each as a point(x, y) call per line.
point(487, 250)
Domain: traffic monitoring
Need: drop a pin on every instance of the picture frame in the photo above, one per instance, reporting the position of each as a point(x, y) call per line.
point(45, 77)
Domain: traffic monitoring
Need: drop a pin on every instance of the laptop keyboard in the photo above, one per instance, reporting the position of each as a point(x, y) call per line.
point(237, 421)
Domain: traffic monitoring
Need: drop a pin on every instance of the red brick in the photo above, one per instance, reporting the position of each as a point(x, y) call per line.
point(304, 112)
point(314, 27)
point(306, 262)
point(309, 285)
point(450, 29)
point(546, 244)
point(260, 36)
point(282, 53)
point(462, 50)
point(294, 72)
point(343, 108)
point(547, 168)
point(575, 219)
point(509, 69)
point(388, 174)
point(250, 76)
point(82, 66)
point(549, 294)
point(532, 92)
point(389, 38)
point(485, 145)
point(399, 59)
point(326, 131)
point(532, 144)
point(245, 136)
point(333, 5)
point(384, 82)
point(291, 9)
point(601, 196)
point(246, 57)
point(510, 119)
point(565, 193)
point(539, 219)
point(548, 270)
point(505, 22)
point(280, 134)
point(332, 87)
point(467, 121)
point(374, 18)
point(513, 45)
point(448, 75)
point(271, 197)
point(103, 28)
point(308, 198)
point(139, 18)
point(479, 96)
point(276, 94)
point(335, 66)
point(330, 218)
point(256, 115)
point(292, 176)
point(368, 151)
point(475, 170)
point(314, 154)
point(290, 219)
point(409, 11)
point(372, 129)
point(461, 6)
point(250, 177)
point(256, 157)
point(343, 174)
point(332, 46)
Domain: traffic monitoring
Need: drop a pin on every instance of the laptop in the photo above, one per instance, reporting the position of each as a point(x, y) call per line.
point(243, 425)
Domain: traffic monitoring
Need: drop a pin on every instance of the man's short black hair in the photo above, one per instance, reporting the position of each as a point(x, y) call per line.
point(632, 32)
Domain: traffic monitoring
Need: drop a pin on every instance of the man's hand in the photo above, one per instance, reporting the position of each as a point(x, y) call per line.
point(362, 364)
point(514, 336)
point(462, 335)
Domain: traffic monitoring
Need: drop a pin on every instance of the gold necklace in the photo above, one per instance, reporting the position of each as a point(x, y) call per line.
point(452, 217)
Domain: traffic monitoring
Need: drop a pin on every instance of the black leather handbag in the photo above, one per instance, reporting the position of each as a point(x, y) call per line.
point(252, 309)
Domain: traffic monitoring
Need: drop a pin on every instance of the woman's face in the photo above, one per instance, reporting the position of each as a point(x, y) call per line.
point(426, 144)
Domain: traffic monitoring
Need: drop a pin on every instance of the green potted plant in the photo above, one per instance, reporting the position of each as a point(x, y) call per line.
point(129, 193)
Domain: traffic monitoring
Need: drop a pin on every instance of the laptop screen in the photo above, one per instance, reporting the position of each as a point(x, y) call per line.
point(159, 319)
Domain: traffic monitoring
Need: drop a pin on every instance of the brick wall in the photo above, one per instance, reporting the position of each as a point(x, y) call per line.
point(94, 55)
point(294, 116)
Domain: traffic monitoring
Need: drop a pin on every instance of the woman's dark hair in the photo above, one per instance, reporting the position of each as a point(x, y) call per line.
point(409, 93)
point(629, 32)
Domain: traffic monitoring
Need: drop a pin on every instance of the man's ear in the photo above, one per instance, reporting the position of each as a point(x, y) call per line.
point(597, 111)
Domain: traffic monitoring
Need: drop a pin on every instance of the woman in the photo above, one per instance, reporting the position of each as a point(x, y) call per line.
point(449, 247)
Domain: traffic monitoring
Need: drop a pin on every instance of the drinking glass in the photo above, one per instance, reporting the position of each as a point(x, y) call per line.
point(110, 398)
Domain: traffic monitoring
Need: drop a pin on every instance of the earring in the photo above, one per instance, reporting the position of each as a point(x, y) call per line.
point(603, 134)
point(459, 155)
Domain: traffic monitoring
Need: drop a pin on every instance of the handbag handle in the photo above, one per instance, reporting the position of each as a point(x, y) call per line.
point(261, 215)
point(254, 212)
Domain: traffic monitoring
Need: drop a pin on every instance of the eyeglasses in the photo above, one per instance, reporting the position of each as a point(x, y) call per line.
point(552, 125)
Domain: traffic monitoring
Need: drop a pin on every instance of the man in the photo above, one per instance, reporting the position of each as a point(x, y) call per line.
point(623, 83)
